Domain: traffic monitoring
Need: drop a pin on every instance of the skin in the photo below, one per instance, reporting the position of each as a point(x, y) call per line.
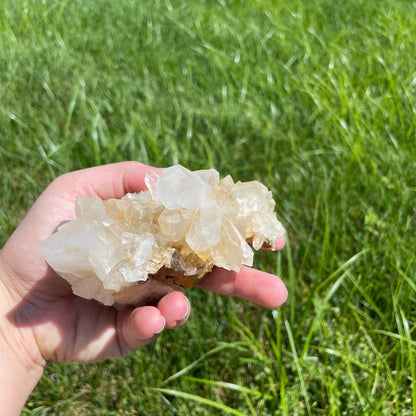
point(41, 321)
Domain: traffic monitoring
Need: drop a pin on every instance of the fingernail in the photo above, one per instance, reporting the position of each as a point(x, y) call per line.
point(186, 312)
point(163, 326)
point(287, 294)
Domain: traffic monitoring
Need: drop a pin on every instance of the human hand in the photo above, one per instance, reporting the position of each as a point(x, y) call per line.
point(46, 322)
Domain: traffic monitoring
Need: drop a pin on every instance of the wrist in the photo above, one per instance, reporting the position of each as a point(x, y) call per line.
point(20, 368)
point(17, 381)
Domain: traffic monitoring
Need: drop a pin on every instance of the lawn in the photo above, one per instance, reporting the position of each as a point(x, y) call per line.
point(315, 98)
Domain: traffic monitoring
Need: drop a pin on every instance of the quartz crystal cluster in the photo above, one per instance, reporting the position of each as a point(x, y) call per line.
point(179, 229)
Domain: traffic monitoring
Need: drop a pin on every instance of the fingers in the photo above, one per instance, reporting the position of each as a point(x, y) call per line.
point(141, 326)
point(259, 287)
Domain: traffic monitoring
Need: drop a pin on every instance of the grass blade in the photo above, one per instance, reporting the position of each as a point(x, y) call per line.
point(230, 386)
point(199, 399)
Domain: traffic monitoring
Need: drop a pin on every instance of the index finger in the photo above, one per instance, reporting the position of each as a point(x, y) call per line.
point(254, 285)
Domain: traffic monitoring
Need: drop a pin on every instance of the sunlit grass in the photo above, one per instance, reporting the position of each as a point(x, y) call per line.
point(317, 99)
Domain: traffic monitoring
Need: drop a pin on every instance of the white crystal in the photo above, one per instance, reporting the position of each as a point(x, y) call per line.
point(180, 188)
point(205, 231)
point(210, 176)
point(182, 226)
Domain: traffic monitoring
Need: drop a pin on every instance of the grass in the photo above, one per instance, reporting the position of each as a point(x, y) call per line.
point(314, 98)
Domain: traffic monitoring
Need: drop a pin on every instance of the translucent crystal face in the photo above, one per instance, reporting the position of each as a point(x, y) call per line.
point(184, 225)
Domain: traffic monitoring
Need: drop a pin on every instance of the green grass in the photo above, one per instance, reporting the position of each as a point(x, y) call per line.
point(317, 99)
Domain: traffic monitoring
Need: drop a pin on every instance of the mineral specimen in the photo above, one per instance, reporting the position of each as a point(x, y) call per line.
point(135, 249)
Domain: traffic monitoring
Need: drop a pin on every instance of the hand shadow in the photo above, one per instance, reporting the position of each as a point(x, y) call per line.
point(72, 325)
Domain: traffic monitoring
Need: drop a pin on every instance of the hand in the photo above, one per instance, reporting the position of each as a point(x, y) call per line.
point(42, 321)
